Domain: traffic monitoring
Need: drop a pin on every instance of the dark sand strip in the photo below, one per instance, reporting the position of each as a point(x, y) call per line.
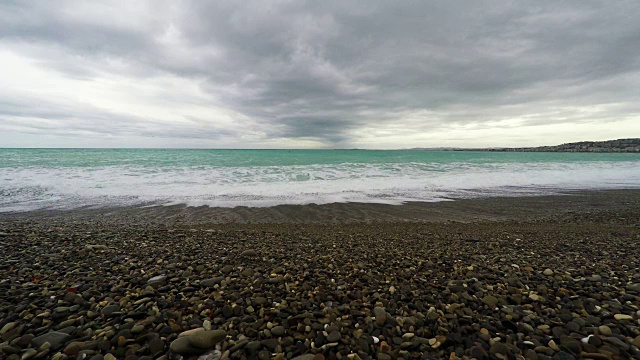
point(459, 210)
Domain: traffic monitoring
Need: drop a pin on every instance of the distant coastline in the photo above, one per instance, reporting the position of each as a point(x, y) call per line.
point(608, 146)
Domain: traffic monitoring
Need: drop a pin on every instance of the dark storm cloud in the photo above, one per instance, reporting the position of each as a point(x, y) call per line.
point(325, 70)
point(54, 119)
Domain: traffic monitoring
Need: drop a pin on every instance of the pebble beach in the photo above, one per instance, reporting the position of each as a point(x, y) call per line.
point(559, 283)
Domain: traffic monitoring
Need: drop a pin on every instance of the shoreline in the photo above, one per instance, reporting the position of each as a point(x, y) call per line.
point(552, 277)
point(526, 207)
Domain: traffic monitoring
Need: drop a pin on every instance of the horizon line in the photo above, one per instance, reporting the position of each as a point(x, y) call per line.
point(325, 149)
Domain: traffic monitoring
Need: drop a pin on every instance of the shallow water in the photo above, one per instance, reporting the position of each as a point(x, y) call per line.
point(70, 178)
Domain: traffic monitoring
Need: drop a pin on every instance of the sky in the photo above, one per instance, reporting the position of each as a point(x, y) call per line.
point(317, 74)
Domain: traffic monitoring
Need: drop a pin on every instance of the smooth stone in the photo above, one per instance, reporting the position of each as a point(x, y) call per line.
point(207, 339)
point(617, 342)
point(260, 300)
point(29, 354)
point(499, 348)
point(253, 347)
point(620, 317)
point(7, 327)
point(479, 353)
point(156, 346)
point(571, 344)
point(595, 356)
point(573, 326)
point(247, 273)
point(270, 344)
point(491, 301)
point(249, 253)
point(380, 314)
point(304, 357)
point(190, 332)
point(604, 330)
point(530, 354)
point(73, 348)
point(183, 346)
point(548, 272)
point(54, 338)
point(24, 340)
point(110, 309)
point(8, 349)
point(563, 356)
point(334, 336)
point(278, 331)
point(137, 328)
point(158, 278)
point(239, 345)
point(211, 282)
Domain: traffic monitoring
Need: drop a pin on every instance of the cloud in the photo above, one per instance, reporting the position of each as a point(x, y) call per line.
point(330, 74)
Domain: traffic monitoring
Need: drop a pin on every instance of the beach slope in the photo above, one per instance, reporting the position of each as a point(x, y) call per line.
point(508, 279)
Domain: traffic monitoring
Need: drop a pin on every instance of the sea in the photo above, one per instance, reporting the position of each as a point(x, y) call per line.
point(39, 179)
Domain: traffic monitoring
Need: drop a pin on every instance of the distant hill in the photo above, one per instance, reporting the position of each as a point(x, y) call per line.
point(609, 146)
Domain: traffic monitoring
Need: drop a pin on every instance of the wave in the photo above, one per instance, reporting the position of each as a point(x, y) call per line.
point(31, 188)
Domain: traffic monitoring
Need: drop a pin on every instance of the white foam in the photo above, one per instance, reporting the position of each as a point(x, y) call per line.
point(23, 189)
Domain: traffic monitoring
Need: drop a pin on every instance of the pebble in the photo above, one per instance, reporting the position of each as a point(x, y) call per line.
point(110, 309)
point(30, 353)
point(604, 330)
point(304, 357)
point(249, 253)
point(491, 301)
point(211, 282)
point(183, 346)
point(278, 331)
point(621, 317)
point(159, 278)
point(380, 315)
point(334, 336)
point(156, 346)
point(207, 339)
point(378, 293)
point(54, 339)
point(7, 327)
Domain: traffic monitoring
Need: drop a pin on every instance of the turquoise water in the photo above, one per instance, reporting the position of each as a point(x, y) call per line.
point(238, 158)
point(68, 178)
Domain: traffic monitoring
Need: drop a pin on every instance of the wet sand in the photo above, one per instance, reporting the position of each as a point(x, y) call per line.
point(455, 210)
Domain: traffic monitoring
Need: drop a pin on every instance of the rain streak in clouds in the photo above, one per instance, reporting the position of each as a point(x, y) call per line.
point(295, 74)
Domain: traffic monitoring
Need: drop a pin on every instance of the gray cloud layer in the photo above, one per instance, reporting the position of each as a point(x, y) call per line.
point(336, 71)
